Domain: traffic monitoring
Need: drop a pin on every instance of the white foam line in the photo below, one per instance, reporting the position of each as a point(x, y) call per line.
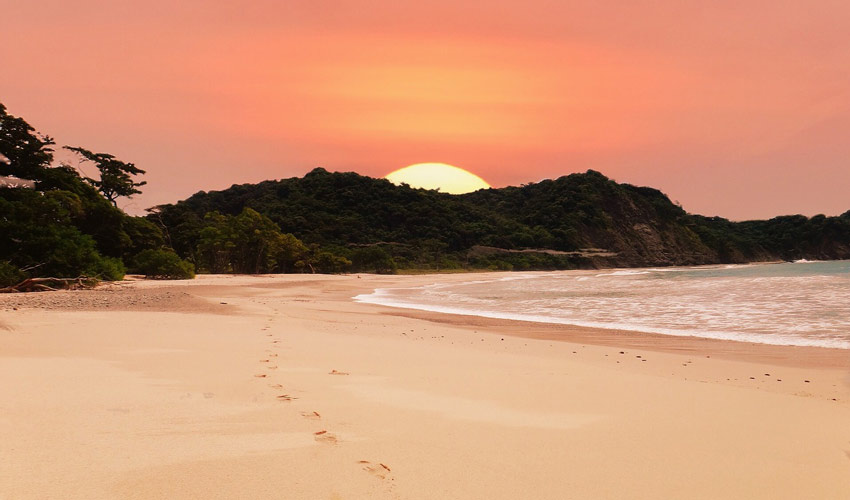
point(382, 296)
point(623, 273)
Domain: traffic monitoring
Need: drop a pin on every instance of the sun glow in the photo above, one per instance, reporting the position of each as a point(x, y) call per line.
point(446, 178)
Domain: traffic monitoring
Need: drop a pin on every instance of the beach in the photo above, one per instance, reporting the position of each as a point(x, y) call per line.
point(285, 387)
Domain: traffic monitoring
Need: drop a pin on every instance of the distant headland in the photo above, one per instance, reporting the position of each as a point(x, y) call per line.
point(57, 223)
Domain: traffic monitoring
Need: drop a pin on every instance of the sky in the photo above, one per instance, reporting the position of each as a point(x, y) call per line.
point(737, 109)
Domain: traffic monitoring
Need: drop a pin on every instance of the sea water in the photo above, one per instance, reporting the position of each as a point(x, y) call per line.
point(801, 303)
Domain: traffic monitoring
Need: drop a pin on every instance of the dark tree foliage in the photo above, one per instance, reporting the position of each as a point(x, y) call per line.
point(24, 152)
point(249, 243)
point(142, 235)
point(162, 264)
point(40, 239)
point(345, 209)
point(115, 175)
point(10, 275)
point(576, 221)
point(328, 263)
point(68, 226)
point(63, 227)
point(373, 259)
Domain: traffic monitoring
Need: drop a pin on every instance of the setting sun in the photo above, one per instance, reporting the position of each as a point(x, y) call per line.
point(446, 178)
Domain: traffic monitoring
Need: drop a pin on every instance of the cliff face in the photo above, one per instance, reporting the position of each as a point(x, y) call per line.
point(641, 225)
point(550, 224)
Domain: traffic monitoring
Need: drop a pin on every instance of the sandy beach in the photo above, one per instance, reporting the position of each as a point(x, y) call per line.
point(284, 387)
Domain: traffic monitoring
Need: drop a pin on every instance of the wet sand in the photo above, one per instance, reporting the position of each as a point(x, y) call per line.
point(283, 387)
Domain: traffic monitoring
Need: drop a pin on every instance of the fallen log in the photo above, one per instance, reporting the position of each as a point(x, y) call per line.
point(51, 284)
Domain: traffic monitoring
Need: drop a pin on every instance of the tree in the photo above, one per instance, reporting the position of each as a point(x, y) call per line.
point(289, 252)
point(251, 243)
point(256, 238)
point(162, 264)
point(143, 235)
point(23, 151)
point(115, 175)
point(40, 239)
point(373, 258)
point(58, 224)
point(216, 243)
point(328, 263)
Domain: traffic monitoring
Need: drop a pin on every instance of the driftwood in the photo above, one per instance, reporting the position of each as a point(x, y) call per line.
point(51, 284)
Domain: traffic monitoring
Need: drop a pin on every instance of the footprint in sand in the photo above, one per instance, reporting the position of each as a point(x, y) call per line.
point(285, 397)
point(379, 470)
point(272, 367)
point(325, 437)
point(261, 375)
point(276, 386)
point(334, 372)
point(312, 415)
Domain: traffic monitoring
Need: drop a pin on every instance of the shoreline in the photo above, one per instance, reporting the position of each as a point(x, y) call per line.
point(269, 386)
point(787, 355)
point(389, 297)
point(484, 315)
point(177, 296)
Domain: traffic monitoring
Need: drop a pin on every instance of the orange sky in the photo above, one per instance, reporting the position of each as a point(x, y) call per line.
point(739, 109)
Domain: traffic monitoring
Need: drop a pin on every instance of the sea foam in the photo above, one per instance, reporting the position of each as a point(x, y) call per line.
point(780, 304)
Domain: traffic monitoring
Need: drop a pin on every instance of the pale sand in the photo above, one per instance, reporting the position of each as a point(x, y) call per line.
point(157, 390)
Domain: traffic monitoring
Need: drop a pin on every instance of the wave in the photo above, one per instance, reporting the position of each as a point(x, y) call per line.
point(623, 273)
point(389, 297)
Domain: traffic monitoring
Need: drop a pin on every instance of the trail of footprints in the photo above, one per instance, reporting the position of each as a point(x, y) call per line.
point(270, 360)
point(378, 470)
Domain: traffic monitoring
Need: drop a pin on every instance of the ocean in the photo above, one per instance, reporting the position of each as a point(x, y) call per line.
point(801, 303)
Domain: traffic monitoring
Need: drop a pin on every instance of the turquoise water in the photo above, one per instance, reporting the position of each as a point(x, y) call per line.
point(801, 303)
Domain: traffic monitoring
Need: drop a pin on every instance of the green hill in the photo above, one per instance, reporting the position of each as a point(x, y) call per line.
point(576, 221)
point(56, 223)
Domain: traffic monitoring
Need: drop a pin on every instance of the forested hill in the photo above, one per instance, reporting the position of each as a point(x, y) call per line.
point(61, 228)
point(576, 221)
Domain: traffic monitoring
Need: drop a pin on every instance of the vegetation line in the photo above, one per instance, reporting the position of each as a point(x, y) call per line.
point(56, 224)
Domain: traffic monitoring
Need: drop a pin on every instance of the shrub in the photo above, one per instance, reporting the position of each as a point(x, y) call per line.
point(10, 275)
point(163, 265)
point(328, 263)
point(107, 269)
